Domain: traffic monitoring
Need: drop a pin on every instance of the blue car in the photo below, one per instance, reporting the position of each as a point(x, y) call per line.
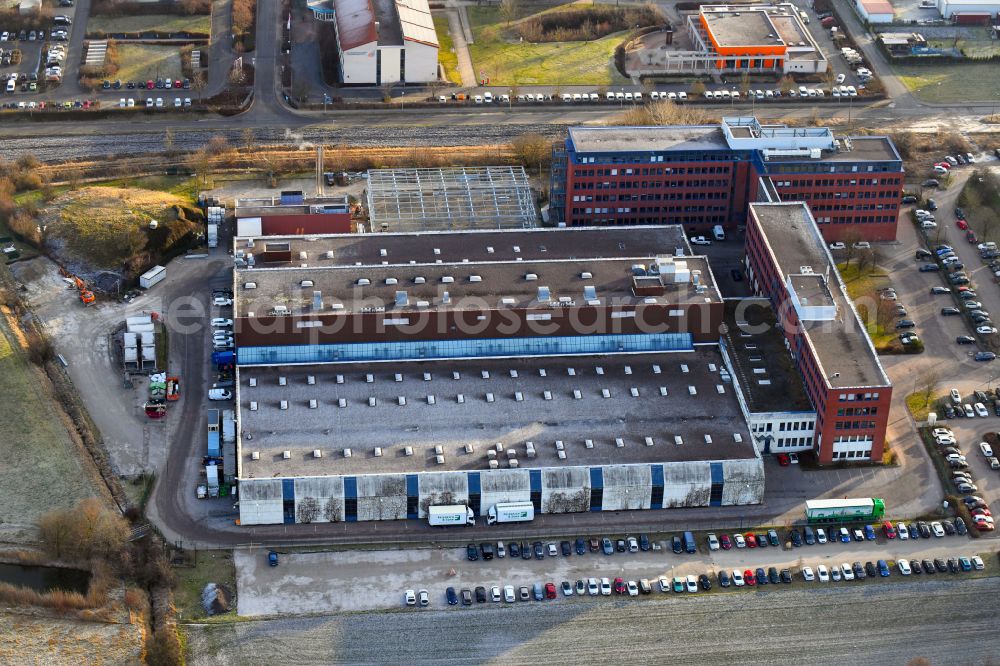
point(845, 536)
point(883, 568)
point(272, 558)
point(965, 563)
point(869, 533)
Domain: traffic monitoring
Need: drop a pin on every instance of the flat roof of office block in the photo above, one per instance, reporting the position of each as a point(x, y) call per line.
point(647, 139)
point(511, 401)
point(469, 286)
point(842, 344)
point(377, 249)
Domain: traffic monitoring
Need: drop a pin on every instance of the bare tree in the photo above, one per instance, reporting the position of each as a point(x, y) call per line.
point(198, 84)
point(697, 89)
point(168, 140)
point(850, 238)
point(927, 383)
point(201, 162)
point(532, 150)
point(248, 139)
point(307, 510)
point(509, 10)
point(744, 83)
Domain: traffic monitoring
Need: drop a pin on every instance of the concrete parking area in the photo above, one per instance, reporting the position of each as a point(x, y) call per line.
point(323, 582)
point(969, 433)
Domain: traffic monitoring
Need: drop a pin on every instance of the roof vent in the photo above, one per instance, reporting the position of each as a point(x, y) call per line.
point(255, 455)
point(391, 281)
point(586, 275)
point(475, 278)
point(531, 277)
point(419, 280)
point(317, 453)
point(447, 279)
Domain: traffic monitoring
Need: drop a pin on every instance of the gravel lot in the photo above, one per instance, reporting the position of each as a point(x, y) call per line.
point(884, 624)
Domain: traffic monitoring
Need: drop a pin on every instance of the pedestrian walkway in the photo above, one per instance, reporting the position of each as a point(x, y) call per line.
point(97, 50)
point(465, 69)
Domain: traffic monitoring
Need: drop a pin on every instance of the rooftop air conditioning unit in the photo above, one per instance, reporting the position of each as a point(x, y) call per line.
point(286, 454)
point(317, 453)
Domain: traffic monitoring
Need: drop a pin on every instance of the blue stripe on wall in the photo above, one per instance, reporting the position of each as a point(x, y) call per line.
point(474, 484)
point(717, 474)
point(536, 480)
point(351, 499)
point(596, 488)
point(412, 496)
point(288, 490)
point(656, 496)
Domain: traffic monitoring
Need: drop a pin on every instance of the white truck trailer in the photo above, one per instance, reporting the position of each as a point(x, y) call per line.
point(152, 276)
point(450, 514)
point(213, 234)
point(510, 512)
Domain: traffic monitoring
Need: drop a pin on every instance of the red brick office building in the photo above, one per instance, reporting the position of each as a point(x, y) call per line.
point(703, 175)
point(788, 262)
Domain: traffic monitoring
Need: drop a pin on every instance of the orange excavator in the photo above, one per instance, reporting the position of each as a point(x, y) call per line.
point(86, 295)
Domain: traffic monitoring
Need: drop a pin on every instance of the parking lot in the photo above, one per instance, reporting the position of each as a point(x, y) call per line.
point(355, 580)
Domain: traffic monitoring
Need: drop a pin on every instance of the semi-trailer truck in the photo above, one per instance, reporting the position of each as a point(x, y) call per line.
point(866, 509)
point(450, 514)
point(510, 512)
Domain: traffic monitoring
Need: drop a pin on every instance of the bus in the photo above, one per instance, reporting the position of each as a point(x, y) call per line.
point(867, 509)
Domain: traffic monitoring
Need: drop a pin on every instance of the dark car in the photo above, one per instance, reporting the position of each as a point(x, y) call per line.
point(929, 268)
point(859, 571)
point(925, 529)
point(452, 596)
point(487, 550)
point(883, 568)
point(908, 199)
point(705, 583)
point(514, 549)
point(808, 535)
point(525, 551)
point(644, 542)
point(607, 546)
point(940, 290)
point(761, 576)
point(595, 544)
point(960, 527)
point(985, 356)
point(949, 527)
point(581, 546)
point(786, 576)
point(940, 565)
point(737, 276)
point(923, 254)
point(931, 204)
point(795, 537)
point(905, 323)
point(772, 536)
point(762, 541)
point(567, 548)
point(930, 182)
point(928, 566)
point(950, 312)
point(472, 552)
point(466, 597)
point(481, 595)
point(965, 340)
point(539, 550)
point(620, 545)
point(676, 545)
point(772, 576)
point(953, 564)
point(724, 579)
point(870, 569)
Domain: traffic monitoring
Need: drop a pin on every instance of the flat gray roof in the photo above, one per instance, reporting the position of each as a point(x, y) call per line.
point(472, 285)
point(646, 139)
point(863, 148)
point(744, 28)
point(812, 290)
point(841, 345)
point(376, 249)
point(756, 343)
point(270, 430)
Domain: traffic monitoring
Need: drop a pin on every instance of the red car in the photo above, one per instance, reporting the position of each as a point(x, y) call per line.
point(943, 165)
point(971, 236)
point(619, 586)
point(150, 85)
point(550, 590)
point(749, 578)
point(962, 224)
point(981, 512)
point(751, 540)
point(725, 542)
point(890, 531)
point(783, 459)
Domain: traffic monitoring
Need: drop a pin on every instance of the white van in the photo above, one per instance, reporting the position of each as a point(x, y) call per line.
point(718, 233)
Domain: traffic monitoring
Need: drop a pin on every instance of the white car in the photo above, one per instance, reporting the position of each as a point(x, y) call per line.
point(977, 563)
point(508, 593)
point(738, 578)
point(178, 102)
point(967, 408)
point(221, 322)
point(159, 102)
point(633, 589)
point(986, 330)
point(700, 240)
point(606, 587)
point(937, 529)
point(222, 301)
point(739, 541)
point(807, 574)
point(841, 78)
point(986, 449)
point(981, 409)
point(495, 593)
point(820, 535)
point(904, 567)
point(823, 574)
point(501, 550)
point(903, 532)
point(837, 246)
point(130, 103)
point(846, 571)
point(663, 583)
point(149, 102)
point(692, 584)
point(553, 551)
point(593, 587)
point(411, 598)
point(219, 394)
point(424, 597)
point(713, 541)
point(928, 224)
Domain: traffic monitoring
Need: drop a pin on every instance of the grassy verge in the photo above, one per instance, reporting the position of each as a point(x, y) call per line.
point(145, 61)
point(919, 407)
point(446, 54)
point(213, 566)
point(946, 82)
point(42, 465)
point(862, 284)
point(181, 186)
point(201, 24)
point(506, 60)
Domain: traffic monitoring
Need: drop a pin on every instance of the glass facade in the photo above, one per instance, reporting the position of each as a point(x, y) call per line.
point(467, 348)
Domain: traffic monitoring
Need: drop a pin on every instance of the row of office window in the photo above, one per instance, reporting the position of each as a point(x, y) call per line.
point(852, 455)
point(662, 219)
point(587, 198)
point(638, 210)
point(671, 157)
point(838, 182)
point(853, 425)
point(857, 219)
point(647, 171)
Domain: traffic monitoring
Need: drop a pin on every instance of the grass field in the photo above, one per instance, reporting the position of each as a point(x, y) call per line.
point(145, 61)
point(153, 22)
point(499, 53)
point(446, 54)
point(943, 83)
point(214, 566)
point(42, 469)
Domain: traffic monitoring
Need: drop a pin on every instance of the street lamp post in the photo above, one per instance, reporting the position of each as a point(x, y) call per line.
point(621, 99)
point(510, 95)
point(402, 97)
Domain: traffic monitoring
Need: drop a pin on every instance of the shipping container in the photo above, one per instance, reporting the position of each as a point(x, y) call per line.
point(152, 276)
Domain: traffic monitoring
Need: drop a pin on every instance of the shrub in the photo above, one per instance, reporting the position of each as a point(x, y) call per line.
point(164, 649)
point(587, 23)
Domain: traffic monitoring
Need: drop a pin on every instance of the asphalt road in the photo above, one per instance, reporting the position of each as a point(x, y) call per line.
point(947, 621)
